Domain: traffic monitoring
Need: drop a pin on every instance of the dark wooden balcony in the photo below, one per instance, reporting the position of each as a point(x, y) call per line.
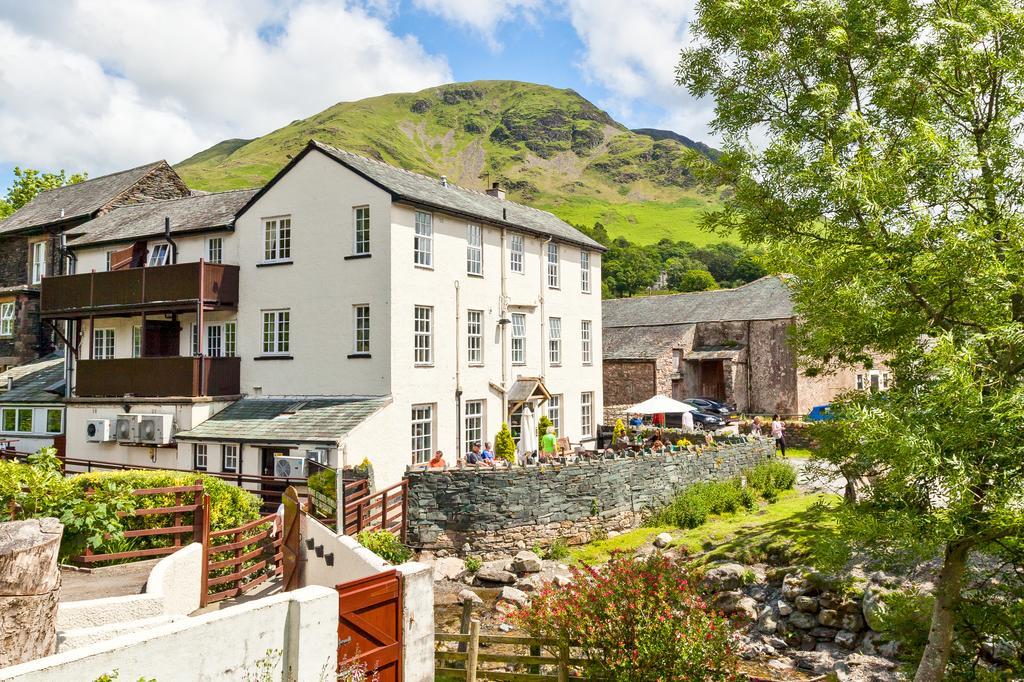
point(157, 377)
point(179, 287)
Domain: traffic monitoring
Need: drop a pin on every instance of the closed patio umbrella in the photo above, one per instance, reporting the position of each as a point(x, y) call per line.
point(527, 435)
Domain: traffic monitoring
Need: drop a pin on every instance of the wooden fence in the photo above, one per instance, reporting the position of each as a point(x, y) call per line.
point(534, 666)
point(239, 559)
point(383, 510)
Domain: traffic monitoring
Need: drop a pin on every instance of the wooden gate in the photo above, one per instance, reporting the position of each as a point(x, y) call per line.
point(370, 625)
point(712, 379)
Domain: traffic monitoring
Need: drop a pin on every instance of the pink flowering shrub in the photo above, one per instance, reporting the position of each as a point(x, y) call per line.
point(635, 621)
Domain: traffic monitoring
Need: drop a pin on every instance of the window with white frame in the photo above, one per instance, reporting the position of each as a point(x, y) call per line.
point(7, 318)
point(475, 337)
point(38, 262)
point(110, 258)
point(277, 239)
point(215, 250)
point(54, 420)
point(361, 231)
point(860, 382)
point(586, 414)
point(215, 344)
point(199, 457)
point(102, 344)
point(16, 420)
point(586, 343)
point(474, 250)
point(516, 253)
point(585, 272)
point(361, 329)
point(160, 255)
point(423, 335)
point(518, 338)
point(214, 340)
point(552, 265)
point(423, 244)
point(229, 339)
point(276, 332)
point(136, 341)
point(555, 413)
point(555, 340)
point(422, 433)
point(474, 426)
point(229, 458)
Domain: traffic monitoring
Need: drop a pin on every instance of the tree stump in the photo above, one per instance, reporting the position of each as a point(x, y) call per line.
point(29, 589)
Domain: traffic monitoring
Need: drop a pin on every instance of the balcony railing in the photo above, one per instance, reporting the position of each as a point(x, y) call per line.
point(158, 377)
point(165, 288)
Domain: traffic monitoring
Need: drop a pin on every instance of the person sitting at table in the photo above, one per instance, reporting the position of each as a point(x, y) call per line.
point(437, 461)
point(487, 455)
point(473, 457)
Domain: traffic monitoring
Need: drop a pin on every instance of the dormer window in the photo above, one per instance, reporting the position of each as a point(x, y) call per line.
point(160, 255)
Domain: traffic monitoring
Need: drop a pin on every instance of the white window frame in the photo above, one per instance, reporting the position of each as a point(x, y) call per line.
point(103, 343)
point(422, 431)
point(230, 339)
point(215, 250)
point(276, 332)
point(587, 342)
point(7, 318)
point(16, 413)
point(214, 333)
point(361, 329)
point(585, 271)
point(423, 241)
point(136, 340)
point(110, 259)
point(360, 230)
point(38, 261)
point(518, 347)
point(587, 414)
point(200, 453)
point(516, 253)
point(277, 239)
point(474, 250)
point(555, 341)
point(553, 265)
point(228, 451)
point(473, 424)
point(159, 255)
point(555, 413)
point(423, 335)
point(46, 419)
point(475, 337)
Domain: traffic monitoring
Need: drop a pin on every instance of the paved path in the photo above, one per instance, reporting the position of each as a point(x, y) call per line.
point(835, 484)
point(108, 581)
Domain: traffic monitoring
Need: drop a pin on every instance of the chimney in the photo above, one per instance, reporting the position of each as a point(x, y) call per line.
point(10, 383)
point(444, 180)
point(496, 191)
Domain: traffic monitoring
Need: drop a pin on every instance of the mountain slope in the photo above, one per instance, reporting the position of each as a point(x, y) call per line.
point(550, 148)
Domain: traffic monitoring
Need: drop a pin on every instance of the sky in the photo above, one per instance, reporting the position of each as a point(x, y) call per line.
point(104, 85)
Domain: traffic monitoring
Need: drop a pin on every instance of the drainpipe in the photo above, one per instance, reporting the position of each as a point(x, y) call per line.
point(750, 399)
point(543, 317)
point(167, 238)
point(503, 322)
point(458, 375)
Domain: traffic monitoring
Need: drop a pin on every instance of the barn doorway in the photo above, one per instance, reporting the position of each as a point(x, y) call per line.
point(711, 380)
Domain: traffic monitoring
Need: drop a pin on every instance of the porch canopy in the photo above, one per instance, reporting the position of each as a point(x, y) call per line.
point(660, 404)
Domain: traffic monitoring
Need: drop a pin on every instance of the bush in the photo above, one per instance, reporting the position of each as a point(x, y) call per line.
point(632, 618)
point(542, 427)
point(325, 483)
point(473, 564)
point(768, 478)
point(386, 545)
point(557, 551)
point(504, 446)
point(692, 507)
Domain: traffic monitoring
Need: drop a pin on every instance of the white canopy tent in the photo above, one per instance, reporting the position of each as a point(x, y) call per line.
point(660, 404)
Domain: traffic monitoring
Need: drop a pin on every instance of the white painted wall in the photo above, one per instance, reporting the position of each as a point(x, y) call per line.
point(295, 632)
point(191, 248)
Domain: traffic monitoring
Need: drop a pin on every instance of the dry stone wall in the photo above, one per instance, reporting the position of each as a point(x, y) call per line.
point(507, 509)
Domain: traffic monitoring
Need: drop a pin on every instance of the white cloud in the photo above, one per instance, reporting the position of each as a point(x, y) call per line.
point(483, 16)
point(105, 84)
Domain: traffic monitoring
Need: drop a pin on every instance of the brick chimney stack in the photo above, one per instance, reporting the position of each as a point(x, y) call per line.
point(496, 191)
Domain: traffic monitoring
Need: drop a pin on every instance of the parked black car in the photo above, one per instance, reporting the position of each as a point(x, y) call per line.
point(707, 420)
point(711, 406)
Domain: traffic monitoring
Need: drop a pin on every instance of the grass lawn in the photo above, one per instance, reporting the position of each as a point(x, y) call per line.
point(791, 528)
point(798, 453)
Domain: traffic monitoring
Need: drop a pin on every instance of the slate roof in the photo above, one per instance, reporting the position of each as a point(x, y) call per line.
point(291, 419)
point(80, 200)
point(767, 298)
point(428, 191)
point(32, 379)
point(641, 343)
point(138, 221)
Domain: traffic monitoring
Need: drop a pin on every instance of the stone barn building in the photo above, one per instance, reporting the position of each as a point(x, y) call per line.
point(730, 345)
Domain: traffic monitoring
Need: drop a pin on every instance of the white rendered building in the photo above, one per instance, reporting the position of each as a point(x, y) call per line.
point(351, 310)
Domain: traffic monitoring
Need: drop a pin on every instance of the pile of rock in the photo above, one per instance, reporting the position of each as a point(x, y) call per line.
point(523, 573)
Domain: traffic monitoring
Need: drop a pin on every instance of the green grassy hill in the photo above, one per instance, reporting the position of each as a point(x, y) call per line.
point(550, 148)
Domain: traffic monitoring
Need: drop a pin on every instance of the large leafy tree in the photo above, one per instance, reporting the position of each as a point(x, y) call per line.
point(28, 182)
point(875, 148)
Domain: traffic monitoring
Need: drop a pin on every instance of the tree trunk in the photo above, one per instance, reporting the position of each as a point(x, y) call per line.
point(947, 595)
point(29, 589)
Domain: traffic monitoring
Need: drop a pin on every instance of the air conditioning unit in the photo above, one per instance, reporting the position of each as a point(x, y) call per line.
point(289, 467)
point(98, 431)
point(126, 428)
point(319, 456)
point(155, 429)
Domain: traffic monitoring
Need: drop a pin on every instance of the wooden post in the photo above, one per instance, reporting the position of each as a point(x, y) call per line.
point(474, 650)
point(203, 524)
point(405, 509)
point(29, 589)
point(467, 616)
point(291, 574)
point(563, 664)
point(384, 510)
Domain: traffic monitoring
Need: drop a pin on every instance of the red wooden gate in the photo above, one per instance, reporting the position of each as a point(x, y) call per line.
point(370, 624)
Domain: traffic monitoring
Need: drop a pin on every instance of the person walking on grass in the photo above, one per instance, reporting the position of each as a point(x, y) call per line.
point(779, 433)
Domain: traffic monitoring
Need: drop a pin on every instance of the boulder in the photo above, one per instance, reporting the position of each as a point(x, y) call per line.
point(823, 633)
point(796, 585)
point(531, 583)
point(830, 600)
point(448, 568)
point(563, 580)
point(496, 572)
point(846, 639)
point(662, 540)
point(735, 602)
point(526, 562)
point(807, 604)
point(784, 608)
point(470, 596)
point(725, 577)
point(767, 624)
point(851, 621)
point(830, 618)
point(803, 621)
point(513, 596)
point(873, 606)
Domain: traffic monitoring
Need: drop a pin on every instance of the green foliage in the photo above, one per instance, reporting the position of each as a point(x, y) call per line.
point(595, 507)
point(693, 506)
point(691, 280)
point(325, 483)
point(473, 564)
point(542, 427)
point(386, 545)
point(557, 550)
point(770, 478)
point(504, 446)
point(619, 430)
point(632, 618)
point(29, 182)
